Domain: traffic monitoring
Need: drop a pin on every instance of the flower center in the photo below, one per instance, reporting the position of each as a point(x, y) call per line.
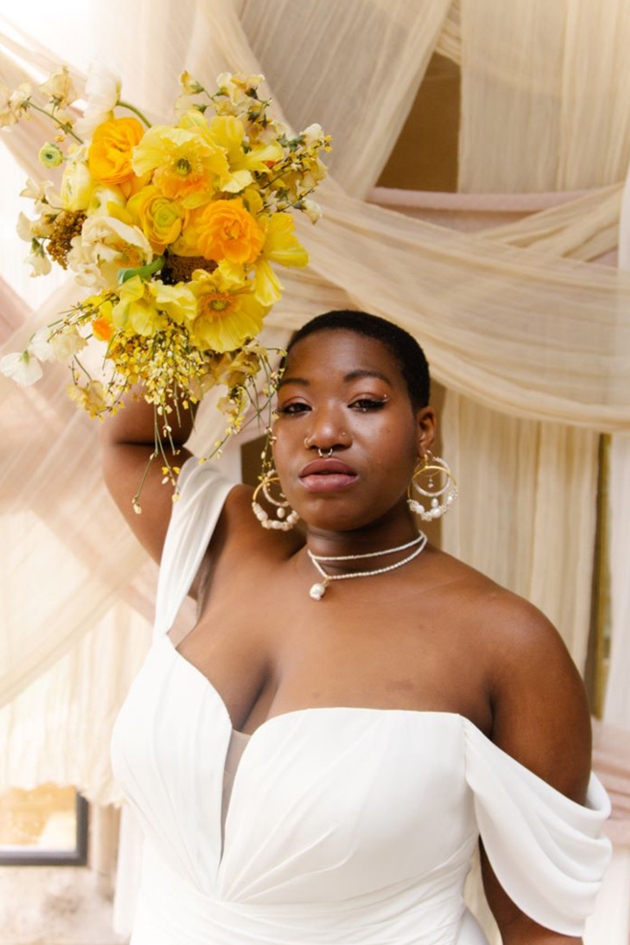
point(183, 167)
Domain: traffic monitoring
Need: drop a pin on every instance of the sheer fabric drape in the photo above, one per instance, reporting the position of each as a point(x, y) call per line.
point(508, 319)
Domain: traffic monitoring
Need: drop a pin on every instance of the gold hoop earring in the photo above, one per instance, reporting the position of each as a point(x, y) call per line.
point(269, 478)
point(439, 482)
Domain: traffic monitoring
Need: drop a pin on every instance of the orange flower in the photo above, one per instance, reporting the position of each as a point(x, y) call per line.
point(109, 157)
point(228, 231)
point(102, 329)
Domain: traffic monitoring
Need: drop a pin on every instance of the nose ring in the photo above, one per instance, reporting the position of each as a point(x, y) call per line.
point(325, 454)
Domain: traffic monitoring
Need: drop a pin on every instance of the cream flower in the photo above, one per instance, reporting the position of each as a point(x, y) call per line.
point(77, 183)
point(23, 368)
point(60, 88)
point(102, 91)
point(40, 346)
point(39, 261)
point(105, 246)
point(67, 343)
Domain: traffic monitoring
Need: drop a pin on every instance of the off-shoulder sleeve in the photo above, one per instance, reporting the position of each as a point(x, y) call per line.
point(547, 851)
point(202, 492)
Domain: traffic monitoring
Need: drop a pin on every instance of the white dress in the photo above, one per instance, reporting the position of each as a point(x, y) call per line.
point(343, 826)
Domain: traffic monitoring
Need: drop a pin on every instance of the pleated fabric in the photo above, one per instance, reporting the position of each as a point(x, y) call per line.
point(344, 825)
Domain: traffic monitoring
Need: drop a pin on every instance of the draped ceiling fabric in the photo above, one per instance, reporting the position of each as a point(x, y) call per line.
point(532, 343)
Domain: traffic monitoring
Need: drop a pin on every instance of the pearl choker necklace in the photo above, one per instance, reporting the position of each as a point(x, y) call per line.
point(318, 589)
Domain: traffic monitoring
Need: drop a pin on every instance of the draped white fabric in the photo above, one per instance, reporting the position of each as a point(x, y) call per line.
point(508, 320)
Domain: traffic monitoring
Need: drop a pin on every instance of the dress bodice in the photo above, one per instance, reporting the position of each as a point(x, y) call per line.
point(343, 825)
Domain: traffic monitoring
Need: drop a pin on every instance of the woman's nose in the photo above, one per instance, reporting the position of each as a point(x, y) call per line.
point(327, 432)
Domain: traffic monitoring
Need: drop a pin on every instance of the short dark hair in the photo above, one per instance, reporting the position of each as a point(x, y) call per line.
point(408, 353)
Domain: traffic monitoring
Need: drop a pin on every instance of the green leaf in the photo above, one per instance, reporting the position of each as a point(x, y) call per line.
point(145, 272)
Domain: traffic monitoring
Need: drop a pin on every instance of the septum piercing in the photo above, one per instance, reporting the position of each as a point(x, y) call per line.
point(325, 454)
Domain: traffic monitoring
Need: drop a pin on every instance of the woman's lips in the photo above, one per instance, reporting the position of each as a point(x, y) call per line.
point(327, 475)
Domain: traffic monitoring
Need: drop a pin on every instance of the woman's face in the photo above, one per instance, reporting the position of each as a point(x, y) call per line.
point(344, 392)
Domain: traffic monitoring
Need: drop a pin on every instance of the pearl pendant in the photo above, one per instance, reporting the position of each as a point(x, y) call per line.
point(317, 591)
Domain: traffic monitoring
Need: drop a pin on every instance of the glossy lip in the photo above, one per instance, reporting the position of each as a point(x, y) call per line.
point(326, 467)
point(327, 475)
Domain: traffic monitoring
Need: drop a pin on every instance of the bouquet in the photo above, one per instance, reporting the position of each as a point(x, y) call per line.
point(175, 230)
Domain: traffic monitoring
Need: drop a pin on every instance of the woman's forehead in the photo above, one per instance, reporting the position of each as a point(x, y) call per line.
point(342, 350)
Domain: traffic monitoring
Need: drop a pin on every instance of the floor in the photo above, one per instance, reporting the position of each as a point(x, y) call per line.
point(52, 905)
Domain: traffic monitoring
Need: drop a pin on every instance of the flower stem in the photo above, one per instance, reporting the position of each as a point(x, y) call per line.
point(136, 111)
point(62, 124)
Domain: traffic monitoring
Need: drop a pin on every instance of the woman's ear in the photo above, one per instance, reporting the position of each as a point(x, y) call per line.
point(425, 425)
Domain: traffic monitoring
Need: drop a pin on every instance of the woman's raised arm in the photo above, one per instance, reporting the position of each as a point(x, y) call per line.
point(127, 443)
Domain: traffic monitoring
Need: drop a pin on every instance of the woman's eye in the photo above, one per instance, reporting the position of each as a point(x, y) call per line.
point(366, 403)
point(292, 409)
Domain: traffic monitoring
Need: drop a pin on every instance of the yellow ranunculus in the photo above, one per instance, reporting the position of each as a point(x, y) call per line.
point(109, 156)
point(281, 246)
point(186, 166)
point(160, 218)
point(227, 311)
point(228, 231)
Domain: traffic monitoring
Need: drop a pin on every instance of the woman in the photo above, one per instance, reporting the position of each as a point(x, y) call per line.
point(317, 767)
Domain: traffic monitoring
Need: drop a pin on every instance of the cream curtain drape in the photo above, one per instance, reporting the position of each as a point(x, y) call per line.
point(513, 326)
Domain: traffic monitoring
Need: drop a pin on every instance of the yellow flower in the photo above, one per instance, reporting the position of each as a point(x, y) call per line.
point(92, 397)
point(229, 133)
point(136, 310)
point(109, 156)
point(51, 155)
point(161, 218)
point(187, 167)
point(77, 184)
point(102, 324)
point(281, 246)
point(227, 231)
point(227, 311)
point(145, 307)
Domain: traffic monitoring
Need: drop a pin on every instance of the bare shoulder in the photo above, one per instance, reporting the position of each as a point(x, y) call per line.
point(540, 711)
point(540, 714)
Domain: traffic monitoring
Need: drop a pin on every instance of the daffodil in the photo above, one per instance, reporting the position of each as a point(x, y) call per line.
point(145, 307)
point(227, 311)
point(281, 246)
point(244, 159)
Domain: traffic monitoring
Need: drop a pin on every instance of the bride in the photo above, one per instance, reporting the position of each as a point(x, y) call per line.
point(354, 710)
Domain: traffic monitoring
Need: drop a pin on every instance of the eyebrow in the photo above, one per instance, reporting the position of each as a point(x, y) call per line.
point(352, 376)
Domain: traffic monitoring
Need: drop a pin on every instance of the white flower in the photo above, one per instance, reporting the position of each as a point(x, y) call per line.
point(24, 228)
point(7, 116)
point(60, 88)
point(312, 135)
point(102, 91)
point(103, 197)
point(23, 368)
point(20, 100)
point(312, 210)
point(105, 246)
point(39, 261)
point(39, 345)
point(65, 344)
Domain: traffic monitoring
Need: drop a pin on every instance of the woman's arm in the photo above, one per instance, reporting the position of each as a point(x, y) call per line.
point(540, 718)
point(127, 442)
